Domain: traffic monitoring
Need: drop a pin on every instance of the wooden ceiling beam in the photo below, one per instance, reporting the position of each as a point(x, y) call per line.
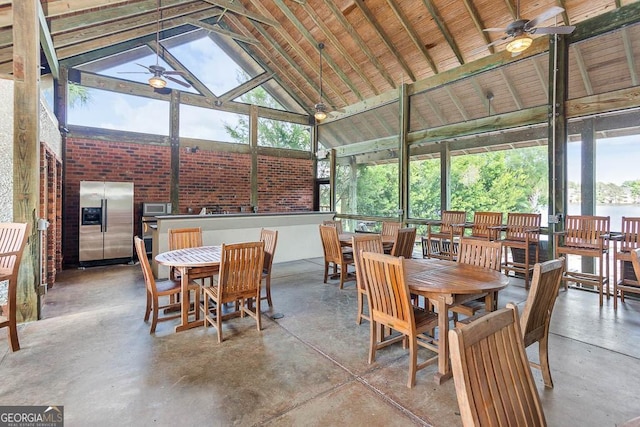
point(609, 21)
point(512, 9)
point(480, 92)
point(475, 17)
point(586, 81)
point(511, 89)
point(436, 110)
point(456, 102)
point(433, 10)
point(565, 15)
point(628, 51)
point(362, 45)
point(338, 46)
point(246, 87)
point(412, 35)
point(219, 30)
point(544, 84)
point(385, 38)
point(237, 8)
point(47, 44)
point(307, 35)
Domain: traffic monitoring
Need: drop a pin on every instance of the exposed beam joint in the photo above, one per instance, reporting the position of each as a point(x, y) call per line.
point(219, 30)
point(237, 8)
point(443, 29)
point(246, 87)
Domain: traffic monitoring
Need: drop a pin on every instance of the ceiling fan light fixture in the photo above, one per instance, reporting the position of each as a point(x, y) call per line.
point(157, 82)
point(321, 111)
point(519, 44)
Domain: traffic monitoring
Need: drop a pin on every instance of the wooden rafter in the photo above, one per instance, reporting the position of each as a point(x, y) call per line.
point(385, 38)
point(307, 35)
point(511, 89)
point(628, 51)
point(512, 9)
point(456, 102)
point(47, 44)
point(575, 49)
point(219, 30)
point(543, 83)
point(443, 29)
point(238, 9)
point(412, 34)
point(436, 110)
point(475, 17)
point(480, 92)
point(565, 15)
point(246, 87)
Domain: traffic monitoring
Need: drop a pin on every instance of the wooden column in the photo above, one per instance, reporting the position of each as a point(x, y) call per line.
point(403, 154)
point(332, 179)
point(588, 179)
point(253, 142)
point(445, 174)
point(174, 139)
point(557, 147)
point(26, 148)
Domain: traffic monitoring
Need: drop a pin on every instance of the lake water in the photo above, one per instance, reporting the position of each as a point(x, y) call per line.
point(616, 212)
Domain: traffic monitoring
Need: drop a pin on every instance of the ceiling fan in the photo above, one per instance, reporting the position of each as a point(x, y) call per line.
point(157, 81)
point(520, 29)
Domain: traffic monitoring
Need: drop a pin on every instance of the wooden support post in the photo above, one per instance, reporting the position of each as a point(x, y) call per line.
point(174, 139)
point(332, 179)
point(253, 142)
point(403, 154)
point(588, 179)
point(445, 175)
point(26, 149)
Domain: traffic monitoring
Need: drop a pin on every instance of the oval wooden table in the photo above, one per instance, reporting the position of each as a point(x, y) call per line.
point(188, 260)
point(446, 284)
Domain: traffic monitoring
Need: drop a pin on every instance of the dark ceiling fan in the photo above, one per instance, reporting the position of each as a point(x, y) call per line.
point(157, 81)
point(521, 29)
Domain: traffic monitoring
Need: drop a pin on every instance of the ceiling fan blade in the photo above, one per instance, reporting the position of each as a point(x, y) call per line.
point(181, 73)
point(549, 13)
point(144, 66)
point(133, 72)
point(495, 30)
point(553, 30)
point(177, 81)
point(163, 91)
point(481, 48)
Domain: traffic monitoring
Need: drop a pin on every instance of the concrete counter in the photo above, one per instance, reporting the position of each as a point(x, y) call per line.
point(298, 235)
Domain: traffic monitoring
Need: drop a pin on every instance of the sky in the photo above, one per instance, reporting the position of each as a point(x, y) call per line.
point(617, 160)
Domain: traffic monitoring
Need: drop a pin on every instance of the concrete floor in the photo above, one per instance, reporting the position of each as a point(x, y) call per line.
point(93, 354)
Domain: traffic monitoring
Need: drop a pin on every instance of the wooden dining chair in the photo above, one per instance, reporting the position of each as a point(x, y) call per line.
point(493, 380)
point(538, 308)
point(270, 239)
point(334, 223)
point(390, 228)
point(586, 236)
point(191, 237)
point(363, 242)
point(521, 233)
point(167, 288)
point(484, 224)
point(442, 236)
point(628, 285)
point(335, 255)
point(13, 238)
point(404, 243)
point(390, 306)
point(625, 244)
point(239, 282)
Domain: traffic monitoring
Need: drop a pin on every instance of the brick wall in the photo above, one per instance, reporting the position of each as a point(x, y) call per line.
point(51, 210)
point(207, 179)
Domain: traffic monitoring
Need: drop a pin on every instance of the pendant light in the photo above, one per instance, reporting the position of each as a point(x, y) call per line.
point(321, 109)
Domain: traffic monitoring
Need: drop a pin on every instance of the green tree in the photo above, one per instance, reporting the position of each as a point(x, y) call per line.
point(78, 95)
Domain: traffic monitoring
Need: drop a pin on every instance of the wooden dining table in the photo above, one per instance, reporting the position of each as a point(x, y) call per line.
point(190, 261)
point(446, 284)
point(345, 239)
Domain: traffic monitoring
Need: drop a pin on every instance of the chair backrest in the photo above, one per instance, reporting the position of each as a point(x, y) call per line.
point(334, 223)
point(482, 221)
point(635, 262)
point(520, 226)
point(182, 238)
point(545, 284)
point(451, 218)
point(390, 228)
point(331, 244)
point(630, 234)
point(491, 372)
point(13, 238)
point(481, 253)
point(388, 293)
point(364, 242)
point(240, 270)
point(141, 251)
point(404, 242)
point(585, 231)
point(270, 239)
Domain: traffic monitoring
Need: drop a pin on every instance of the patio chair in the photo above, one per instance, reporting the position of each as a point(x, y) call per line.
point(334, 223)
point(167, 288)
point(586, 236)
point(390, 306)
point(404, 242)
point(625, 244)
point(522, 233)
point(270, 239)
point(363, 242)
point(181, 238)
point(442, 236)
point(13, 238)
point(239, 281)
point(335, 255)
point(493, 380)
point(629, 286)
point(483, 225)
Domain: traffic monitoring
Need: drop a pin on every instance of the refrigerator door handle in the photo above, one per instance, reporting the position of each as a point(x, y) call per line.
point(104, 215)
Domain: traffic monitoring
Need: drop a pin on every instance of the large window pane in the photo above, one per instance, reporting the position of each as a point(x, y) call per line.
point(275, 133)
point(424, 188)
point(366, 189)
point(215, 125)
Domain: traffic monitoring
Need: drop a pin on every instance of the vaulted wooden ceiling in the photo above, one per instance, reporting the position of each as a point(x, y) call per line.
point(371, 46)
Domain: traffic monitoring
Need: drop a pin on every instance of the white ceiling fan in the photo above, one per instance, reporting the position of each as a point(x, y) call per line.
point(521, 29)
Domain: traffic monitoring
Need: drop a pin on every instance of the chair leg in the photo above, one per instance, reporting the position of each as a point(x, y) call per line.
point(13, 334)
point(148, 310)
point(543, 347)
point(360, 307)
point(154, 320)
point(268, 290)
point(372, 340)
point(258, 318)
point(413, 361)
point(326, 271)
point(343, 270)
point(219, 322)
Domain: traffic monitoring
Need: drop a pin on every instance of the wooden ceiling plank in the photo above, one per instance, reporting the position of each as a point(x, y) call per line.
point(456, 102)
point(511, 89)
point(575, 50)
point(544, 84)
point(475, 17)
point(512, 9)
point(443, 29)
point(402, 18)
point(339, 47)
point(480, 92)
point(246, 87)
point(385, 38)
point(307, 35)
point(217, 29)
point(628, 51)
point(608, 21)
point(565, 15)
point(237, 8)
point(436, 110)
point(362, 45)
point(47, 44)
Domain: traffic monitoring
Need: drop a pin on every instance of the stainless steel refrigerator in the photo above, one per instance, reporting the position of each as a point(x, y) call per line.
point(106, 221)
